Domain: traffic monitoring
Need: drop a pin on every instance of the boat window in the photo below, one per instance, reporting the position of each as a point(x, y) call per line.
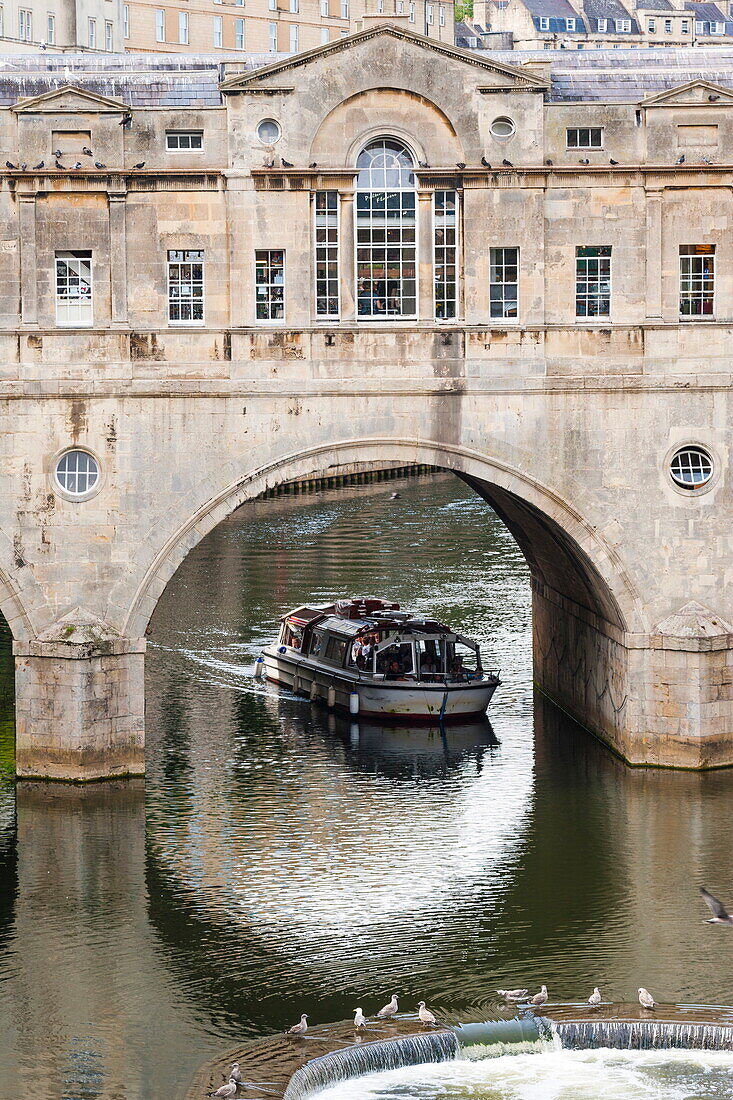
point(429, 659)
point(316, 642)
point(292, 636)
point(462, 661)
point(336, 650)
point(396, 660)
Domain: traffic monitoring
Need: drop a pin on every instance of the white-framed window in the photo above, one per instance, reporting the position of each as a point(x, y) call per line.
point(697, 280)
point(324, 36)
point(272, 5)
point(159, 25)
point(717, 28)
point(411, 11)
point(651, 26)
point(25, 25)
point(92, 33)
point(400, 7)
point(183, 27)
point(272, 37)
point(2, 21)
point(602, 25)
point(184, 141)
point(126, 20)
point(584, 137)
point(685, 26)
point(270, 284)
point(441, 15)
point(691, 467)
point(108, 36)
point(344, 9)
point(699, 26)
point(77, 474)
point(503, 282)
point(429, 14)
point(185, 286)
point(327, 254)
point(386, 228)
point(324, 9)
point(239, 34)
point(239, 3)
point(593, 280)
point(570, 24)
point(667, 26)
point(623, 26)
point(74, 304)
point(293, 37)
point(544, 23)
point(50, 29)
point(445, 255)
point(218, 32)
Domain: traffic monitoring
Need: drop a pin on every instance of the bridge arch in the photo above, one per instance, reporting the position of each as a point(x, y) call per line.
point(568, 557)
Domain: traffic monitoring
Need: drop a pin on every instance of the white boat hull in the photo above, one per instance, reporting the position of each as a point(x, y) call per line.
point(401, 699)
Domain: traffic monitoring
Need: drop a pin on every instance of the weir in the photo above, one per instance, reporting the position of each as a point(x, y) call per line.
point(641, 1035)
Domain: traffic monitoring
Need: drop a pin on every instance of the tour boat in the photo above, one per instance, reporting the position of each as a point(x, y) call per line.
point(370, 658)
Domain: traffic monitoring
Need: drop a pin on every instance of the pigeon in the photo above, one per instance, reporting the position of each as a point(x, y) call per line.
point(359, 1018)
point(713, 98)
point(426, 1017)
point(285, 163)
point(512, 994)
point(235, 1075)
point(645, 998)
point(314, 164)
point(125, 120)
point(230, 1089)
point(57, 153)
point(539, 998)
point(23, 166)
point(680, 160)
point(98, 164)
point(485, 162)
point(301, 1028)
point(548, 163)
point(612, 161)
point(76, 167)
point(86, 151)
point(423, 164)
point(720, 913)
point(60, 167)
point(13, 167)
point(507, 163)
point(706, 160)
point(140, 165)
point(37, 166)
point(583, 160)
point(389, 1009)
point(595, 997)
point(460, 164)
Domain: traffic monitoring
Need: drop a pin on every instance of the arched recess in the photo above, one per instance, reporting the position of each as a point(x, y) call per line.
point(22, 602)
point(565, 552)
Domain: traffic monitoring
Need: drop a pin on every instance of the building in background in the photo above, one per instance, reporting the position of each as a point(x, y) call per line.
point(271, 26)
point(60, 25)
point(593, 24)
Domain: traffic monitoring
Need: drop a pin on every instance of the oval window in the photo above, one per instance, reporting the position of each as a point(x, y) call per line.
point(691, 467)
point(268, 131)
point(77, 473)
point(502, 127)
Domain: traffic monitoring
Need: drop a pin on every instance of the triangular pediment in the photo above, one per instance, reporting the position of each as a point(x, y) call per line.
point(696, 93)
point(70, 98)
point(488, 72)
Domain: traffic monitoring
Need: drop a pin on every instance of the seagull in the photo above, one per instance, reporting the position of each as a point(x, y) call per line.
point(359, 1018)
point(314, 164)
point(720, 913)
point(235, 1075)
point(680, 160)
point(394, 496)
point(612, 161)
point(389, 1009)
point(512, 994)
point(645, 998)
point(60, 167)
point(301, 1028)
point(37, 166)
point(140, 165)
point(507, 164)
point(539, 998)
point(98, 164)
point(425, 1015)
point(86, 151)
point(485, 162)
point(595, 997)
point(285, 163)
point(230, 1089)
point(460, 164)
point(583, 160)
point(13, 167)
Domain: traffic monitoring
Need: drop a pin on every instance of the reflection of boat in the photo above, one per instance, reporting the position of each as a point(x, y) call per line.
point(368, 657)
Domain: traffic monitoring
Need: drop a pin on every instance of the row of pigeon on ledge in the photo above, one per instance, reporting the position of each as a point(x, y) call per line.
point(22, 167)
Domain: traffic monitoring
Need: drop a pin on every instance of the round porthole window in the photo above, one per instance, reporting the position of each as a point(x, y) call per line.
point(502, 128)
point(268, 131)
point(77, 474)
point(691, 467)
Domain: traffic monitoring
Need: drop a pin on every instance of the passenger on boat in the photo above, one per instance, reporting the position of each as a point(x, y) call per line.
point(395, 671)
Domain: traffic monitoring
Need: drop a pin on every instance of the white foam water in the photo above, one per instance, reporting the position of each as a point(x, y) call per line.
point(555, 1075)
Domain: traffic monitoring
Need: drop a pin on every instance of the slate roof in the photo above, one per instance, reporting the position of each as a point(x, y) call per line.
point(707, 14)
point(611, 10)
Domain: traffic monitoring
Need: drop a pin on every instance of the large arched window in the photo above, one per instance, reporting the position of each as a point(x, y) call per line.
point(386, 284)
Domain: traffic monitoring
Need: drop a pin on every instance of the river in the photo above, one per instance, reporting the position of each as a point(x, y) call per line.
point(278, 861)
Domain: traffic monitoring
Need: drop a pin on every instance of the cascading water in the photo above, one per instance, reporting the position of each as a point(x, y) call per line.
point(641, 1035)
point(356, 1061)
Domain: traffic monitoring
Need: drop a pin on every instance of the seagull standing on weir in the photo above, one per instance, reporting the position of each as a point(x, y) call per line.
point(359, 1019)
point(719, 911)
point(645, 999)
point(230, 1089)
point(234, 1074)
point(512, 994)
point(595, 997)
point(426, 1016)
point(539, 998)
point(301, 1028)
point(389, 1009)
